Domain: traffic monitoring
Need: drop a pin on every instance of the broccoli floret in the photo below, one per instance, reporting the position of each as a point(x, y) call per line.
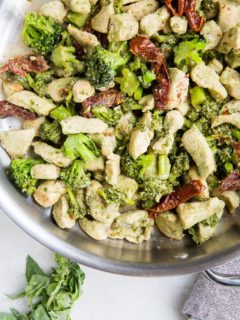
point(130, 104)
point(20, 174)
point(60, 113)
point(157, 122)
point(180, 166)
point(122, 49)
point(224, 154)
point(63, 57)
point(152, 190)
point(129, 83)
point(75, 176)
point(209, 8)
point(80, 145)
point(78, 19)
point(41, 33)
point(188, 52)
point(51, 131)
point(135, 169)
point(110, 116)
point(101, 66)
point(202, 114)
point(40, 82)
point(75, 209)
point(115, 195)
point(194, 231)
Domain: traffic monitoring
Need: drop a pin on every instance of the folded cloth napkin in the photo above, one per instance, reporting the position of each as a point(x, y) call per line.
point(212, 301)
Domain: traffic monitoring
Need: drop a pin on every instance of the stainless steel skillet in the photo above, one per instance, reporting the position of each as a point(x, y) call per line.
point(159, 257)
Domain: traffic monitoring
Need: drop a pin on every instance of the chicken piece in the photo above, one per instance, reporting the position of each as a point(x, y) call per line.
point(11, 87)
point(17, 142)
point(101, 20)
point(123, 26)
point(45, 172)
point(154, 22)
point(97, 207)
point(147, 102)
point(216, 65)
point(112, 169)
point(82, 90)
point(128, 186)
point(141, 136)
point(232, 106)
point(230, 78)
point(233, 119)
point(95, 164)
point(30, 101)
point(85, 39)
point(196, 145)
point(230, 40)
point(229, 15)
point(106, 140)
point(78, 124)
point(231, 199)
point(212, 33)
point(207, 78)
point(178, 90)
point(51, 154)
point(94, 229)
point(55, 10)
point(168, 223)
point(172, 123)
point(194, 212)
point(60, 213)
point(49, 192)
point(59, 89)
point(79, 6)
point(134, 226)
point(178, 24)
point(141, 8)
point(33, 124)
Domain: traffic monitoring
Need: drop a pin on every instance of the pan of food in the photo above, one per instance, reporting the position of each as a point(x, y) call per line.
point(120, 131)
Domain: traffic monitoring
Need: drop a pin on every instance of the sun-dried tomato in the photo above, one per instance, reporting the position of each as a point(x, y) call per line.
point(175, 7)
point(79, 51)
point(8, 109)
point(145, 48)
point(236, 146)
point(109, 98)
point(21, 65)
point(187, 7)
point(231, 182)
point(162, 88)
point(181, 7)
point(179, 195)
point(195, 21)
point(169, 4)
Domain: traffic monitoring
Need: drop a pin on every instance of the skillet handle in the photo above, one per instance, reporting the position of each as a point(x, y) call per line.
point(231, 280)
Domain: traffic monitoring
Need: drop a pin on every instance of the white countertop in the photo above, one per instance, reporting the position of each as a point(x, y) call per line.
point(105, 297)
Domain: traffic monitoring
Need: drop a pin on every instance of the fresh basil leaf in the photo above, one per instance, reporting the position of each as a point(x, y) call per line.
point(40, 313)
point(36, 286)
point(7, 316)
point(32, 268)
point(16, 296)
point(18, 315)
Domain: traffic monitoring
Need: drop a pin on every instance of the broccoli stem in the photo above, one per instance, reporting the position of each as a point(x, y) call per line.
point(197, 95)
point(60, 113)
point(163, 164)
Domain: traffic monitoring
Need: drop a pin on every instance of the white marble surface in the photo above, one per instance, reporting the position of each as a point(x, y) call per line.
point(106, 296)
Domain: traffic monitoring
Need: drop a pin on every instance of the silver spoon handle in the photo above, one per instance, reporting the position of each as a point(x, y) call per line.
point(232, 280)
